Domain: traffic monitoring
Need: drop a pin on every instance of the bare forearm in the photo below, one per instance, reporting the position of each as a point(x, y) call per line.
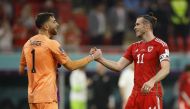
point(161, 75)
point(112, 65)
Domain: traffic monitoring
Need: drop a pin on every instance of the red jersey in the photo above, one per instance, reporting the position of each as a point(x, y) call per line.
point(147, 57)
point(184, 83)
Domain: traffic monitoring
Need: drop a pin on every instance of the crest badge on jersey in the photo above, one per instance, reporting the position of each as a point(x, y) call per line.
point(150, 48)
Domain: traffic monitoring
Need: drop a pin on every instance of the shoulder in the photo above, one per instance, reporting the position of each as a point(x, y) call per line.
point(160, 42)
point(135, 44)
point(53, 43)
point(138, 42)
point(28, 42)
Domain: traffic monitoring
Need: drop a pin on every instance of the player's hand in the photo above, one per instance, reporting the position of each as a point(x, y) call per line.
point(99, 59)
point(97, 54)
point(92, 50)
point(147, 86)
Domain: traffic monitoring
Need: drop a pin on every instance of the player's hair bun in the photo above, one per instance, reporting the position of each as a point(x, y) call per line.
point(151, 14)
point(150, 18)
point(153, 19)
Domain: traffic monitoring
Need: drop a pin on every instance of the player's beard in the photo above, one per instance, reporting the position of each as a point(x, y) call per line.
point(140, 33)
point(53, 31)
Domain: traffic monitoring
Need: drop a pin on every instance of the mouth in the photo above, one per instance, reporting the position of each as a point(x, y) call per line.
point(56, 29)
point(136, 31)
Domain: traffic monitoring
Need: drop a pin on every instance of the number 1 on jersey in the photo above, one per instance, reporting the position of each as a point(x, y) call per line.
point(33, 61)
point(140, 58)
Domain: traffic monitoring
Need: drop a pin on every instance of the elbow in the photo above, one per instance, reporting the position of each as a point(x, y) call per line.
point(118, 69)
point(168, 71)
point(70, 68)
point(166, 67)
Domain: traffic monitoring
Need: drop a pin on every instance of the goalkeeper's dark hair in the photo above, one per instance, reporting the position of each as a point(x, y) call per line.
point(150, 18)
point(42, 18)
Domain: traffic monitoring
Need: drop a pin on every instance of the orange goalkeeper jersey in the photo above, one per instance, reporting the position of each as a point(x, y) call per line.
point(41, 55)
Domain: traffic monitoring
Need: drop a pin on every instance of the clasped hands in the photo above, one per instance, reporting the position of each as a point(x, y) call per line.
point(95, 53)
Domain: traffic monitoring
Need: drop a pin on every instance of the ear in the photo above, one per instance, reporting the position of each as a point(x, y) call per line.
point(147, 26)
point(45, 26)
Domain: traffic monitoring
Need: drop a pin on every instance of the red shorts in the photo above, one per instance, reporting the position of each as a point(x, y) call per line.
point(182, 104)
point(138, 100)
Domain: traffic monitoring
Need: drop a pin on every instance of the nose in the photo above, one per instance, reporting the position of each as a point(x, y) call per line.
point(57, 24)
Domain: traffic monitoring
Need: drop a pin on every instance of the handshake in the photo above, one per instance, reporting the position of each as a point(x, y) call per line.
point(96, 53)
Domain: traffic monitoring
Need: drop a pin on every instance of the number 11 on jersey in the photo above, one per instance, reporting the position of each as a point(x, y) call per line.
point(140, 58)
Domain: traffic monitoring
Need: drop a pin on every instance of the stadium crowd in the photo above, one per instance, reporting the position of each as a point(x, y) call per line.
point(95, 22)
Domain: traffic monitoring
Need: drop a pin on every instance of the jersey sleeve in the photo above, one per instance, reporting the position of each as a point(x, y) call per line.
point(163, 53)
point(128, 53)
point(58, 52)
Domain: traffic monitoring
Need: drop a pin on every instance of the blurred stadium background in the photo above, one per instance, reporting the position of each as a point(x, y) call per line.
point(79, 31)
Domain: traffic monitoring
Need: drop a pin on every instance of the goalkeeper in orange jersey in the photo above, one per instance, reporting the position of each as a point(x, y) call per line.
point(41, 56)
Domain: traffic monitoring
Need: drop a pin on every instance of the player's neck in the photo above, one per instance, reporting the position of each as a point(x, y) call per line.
point(45, 33)
point(148, 36)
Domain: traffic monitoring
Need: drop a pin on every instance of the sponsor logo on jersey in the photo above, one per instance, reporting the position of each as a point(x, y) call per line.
point(136, 50)
point(142, 50)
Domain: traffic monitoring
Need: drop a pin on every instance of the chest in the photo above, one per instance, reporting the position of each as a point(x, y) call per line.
point(145, 53)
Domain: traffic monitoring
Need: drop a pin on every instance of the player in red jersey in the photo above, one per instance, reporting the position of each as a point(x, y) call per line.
point(184, 89)
point(151, 60)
